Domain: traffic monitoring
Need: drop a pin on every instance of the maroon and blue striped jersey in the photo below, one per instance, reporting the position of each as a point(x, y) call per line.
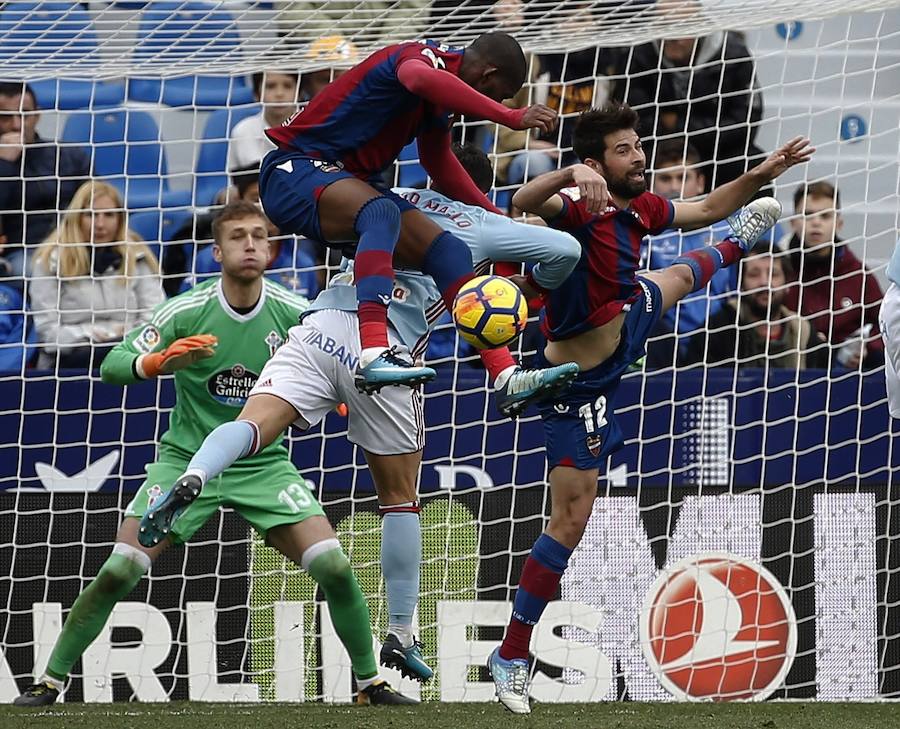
point(366, 116)
point(604, 283)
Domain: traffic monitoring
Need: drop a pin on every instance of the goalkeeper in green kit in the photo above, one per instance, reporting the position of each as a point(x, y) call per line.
point(216, 339)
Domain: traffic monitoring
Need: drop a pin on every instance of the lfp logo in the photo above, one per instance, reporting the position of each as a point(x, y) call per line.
point(718, 627)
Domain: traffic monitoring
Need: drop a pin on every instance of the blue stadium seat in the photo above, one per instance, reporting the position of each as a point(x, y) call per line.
point(126, 149)
point(502, 198)
point(411, 173)
point(174, 31)
point(46, 35)
point(66, 94)
point(158, 225)
point(212, 159)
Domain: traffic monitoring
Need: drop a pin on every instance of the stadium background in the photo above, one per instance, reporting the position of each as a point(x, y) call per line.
point(804, 449)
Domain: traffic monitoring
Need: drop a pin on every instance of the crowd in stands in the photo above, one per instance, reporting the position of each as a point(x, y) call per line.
point(74, 277)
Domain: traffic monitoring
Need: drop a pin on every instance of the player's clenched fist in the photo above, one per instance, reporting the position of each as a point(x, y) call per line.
point(179, 354)
point(538, 117)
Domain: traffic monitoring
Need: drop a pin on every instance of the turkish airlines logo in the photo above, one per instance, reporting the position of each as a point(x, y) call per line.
point(716, 626)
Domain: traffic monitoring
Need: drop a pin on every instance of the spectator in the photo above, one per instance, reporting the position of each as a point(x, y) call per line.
point(757, 329)
point(37, 179)
point(704, 87)
point(834, 290)
point(576, 81)
point(375, 22)
point(17, 336)
point(93, 280)
point(327, 58)
point(521, 155)
point(678, 176)
point(277, 91)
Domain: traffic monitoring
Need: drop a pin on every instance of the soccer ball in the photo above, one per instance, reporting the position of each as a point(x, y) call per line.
point(490, 311)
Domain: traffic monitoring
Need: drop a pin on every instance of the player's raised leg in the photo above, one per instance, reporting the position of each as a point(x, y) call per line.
point(262, 419)
point(693, 271)
point(312, 544)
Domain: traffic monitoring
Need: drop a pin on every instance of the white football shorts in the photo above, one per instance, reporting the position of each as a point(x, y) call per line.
point(889, 321)
point(313, 371)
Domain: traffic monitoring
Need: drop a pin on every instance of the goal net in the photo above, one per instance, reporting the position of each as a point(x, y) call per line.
point(743, 543)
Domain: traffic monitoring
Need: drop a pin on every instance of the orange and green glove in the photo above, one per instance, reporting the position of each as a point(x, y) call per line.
point(179, 354)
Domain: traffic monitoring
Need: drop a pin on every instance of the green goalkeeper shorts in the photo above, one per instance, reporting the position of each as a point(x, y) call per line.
point(267, 496)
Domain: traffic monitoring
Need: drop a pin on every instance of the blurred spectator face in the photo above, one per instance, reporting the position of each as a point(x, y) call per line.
point(314, 81)
point(624, 164)
point(330, 56)
point(100, 224)
point(679, 181)
point(15, 119)
point(279, 95)
point(679, 51)
point(817, 225)
point(242, 247)
point(509, 15)
point(762, 284)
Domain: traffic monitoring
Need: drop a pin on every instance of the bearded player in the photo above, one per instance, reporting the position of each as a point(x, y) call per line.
point(215, 338)
point(600, 318)
point(313, 372)
point(324, 182)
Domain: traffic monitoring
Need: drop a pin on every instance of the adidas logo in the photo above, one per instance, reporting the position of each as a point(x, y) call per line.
point(266, 383)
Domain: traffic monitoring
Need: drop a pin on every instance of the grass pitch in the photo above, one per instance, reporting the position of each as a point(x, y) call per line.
point(456, 716)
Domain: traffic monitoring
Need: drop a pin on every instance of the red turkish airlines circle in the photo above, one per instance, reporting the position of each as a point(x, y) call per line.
point(718, 627)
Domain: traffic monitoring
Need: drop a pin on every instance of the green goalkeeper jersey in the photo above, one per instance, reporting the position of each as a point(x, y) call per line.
point(212, 391)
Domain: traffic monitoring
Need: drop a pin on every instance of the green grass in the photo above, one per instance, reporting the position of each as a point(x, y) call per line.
point(457, 716)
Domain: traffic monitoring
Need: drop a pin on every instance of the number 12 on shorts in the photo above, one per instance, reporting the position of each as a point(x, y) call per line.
point(594, 413)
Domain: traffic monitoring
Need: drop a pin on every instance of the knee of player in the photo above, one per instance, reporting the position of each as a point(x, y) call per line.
point(684, 275)
point(327, 564)
point(123, 569)
point(569, 250)
point(377, 214)
point(448, 251)
point(572, 516)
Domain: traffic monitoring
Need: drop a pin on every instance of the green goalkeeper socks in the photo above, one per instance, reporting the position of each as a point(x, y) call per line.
point(346, 604)
point(118, 576)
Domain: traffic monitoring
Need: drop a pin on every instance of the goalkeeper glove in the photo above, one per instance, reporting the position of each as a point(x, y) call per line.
point(179, 354)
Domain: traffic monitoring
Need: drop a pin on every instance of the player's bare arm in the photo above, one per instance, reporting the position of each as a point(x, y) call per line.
point(724, 200)
point(541, 195)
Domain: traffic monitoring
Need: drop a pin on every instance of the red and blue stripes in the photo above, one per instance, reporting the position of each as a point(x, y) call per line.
point(538, 585)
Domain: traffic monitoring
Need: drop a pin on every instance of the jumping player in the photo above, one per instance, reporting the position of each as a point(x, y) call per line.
point(215, 337)
point(324, 180)
point(313, 372)
point(600, 318)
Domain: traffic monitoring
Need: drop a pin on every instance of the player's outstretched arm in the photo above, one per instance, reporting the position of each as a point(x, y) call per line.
point(541, 195)
point(724, 200)
point(447, 91)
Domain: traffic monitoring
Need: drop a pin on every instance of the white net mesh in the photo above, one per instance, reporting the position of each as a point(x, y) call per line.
point(768, 493)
